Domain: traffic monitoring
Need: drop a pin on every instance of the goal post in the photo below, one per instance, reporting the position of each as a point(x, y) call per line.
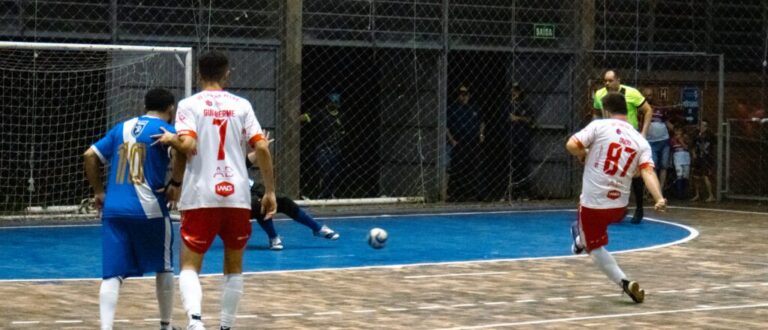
point(57, 99)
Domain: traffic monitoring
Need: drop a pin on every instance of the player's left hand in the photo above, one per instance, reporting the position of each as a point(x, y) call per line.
point(164, 138)
point(268, 205)
point(661, 205)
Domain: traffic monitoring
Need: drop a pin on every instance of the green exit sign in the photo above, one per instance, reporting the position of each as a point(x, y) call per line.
point(544, 31)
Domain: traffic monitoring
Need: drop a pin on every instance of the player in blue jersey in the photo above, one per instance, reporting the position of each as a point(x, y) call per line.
point(137, 236)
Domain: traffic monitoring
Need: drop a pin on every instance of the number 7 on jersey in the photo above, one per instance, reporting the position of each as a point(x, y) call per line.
point(222, 123)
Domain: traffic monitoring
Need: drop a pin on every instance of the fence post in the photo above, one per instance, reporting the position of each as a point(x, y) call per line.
point(287, 137)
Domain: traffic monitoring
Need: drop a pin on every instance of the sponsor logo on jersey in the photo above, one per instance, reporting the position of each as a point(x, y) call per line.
point(208, 103)
point(224, 172)
point(224, 189)
point(613, 194)
point(139, 127)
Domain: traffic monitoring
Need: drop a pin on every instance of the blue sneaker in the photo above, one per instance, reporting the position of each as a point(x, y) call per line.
point(576, 248)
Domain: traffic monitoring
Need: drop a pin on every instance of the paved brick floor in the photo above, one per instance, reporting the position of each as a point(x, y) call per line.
point(718, 280)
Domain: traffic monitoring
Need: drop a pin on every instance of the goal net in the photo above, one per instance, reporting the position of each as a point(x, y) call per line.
point(58, 99)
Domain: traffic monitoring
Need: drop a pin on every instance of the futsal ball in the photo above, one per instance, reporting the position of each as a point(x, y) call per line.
point(377, 238)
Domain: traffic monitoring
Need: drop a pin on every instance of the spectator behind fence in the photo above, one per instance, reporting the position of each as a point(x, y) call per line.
point(520, 119)
point(703, 162)
point(658, 137)
point(465, 134)
point(682, 160)
point(327, 129)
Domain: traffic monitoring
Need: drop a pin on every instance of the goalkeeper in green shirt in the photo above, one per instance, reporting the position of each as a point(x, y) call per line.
point(635, 101)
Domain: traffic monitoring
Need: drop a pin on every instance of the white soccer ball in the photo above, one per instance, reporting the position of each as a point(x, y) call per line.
point(377, 238)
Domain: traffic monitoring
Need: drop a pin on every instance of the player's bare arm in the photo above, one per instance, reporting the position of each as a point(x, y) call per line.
point(653, 186)
point(264, 159)
point(575, 148)
point(92, 165)
point(178, 165)
point(184, 144)
point(647, 116)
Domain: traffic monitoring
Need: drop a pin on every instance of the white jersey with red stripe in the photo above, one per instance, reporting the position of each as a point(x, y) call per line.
point(616, 152)
point(223, 125)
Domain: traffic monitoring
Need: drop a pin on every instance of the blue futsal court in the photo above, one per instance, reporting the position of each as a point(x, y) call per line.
point(72, 252)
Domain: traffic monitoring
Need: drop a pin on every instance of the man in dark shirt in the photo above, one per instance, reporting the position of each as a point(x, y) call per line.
point(520, 122)
point(328, 131)
point(465, 134)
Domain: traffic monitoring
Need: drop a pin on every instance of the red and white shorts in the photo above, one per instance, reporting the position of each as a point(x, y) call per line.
point(199, 227)
point(593, 224)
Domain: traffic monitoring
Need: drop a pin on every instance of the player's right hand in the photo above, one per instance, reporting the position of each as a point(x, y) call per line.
point(165, 137)
point(268, 205)
point(661, 205)
point(98, 201)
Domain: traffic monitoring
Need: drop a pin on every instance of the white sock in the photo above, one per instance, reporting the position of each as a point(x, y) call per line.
point(108, 294)
point(164, 289)
point(191, 292)
point(231, 291)
point(607, 264)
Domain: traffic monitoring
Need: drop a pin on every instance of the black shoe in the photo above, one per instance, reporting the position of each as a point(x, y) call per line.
point(638, 217)
point(633, 290)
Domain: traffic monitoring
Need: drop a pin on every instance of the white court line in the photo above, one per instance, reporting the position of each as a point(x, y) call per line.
point(287, 315)
point(455, 275)
point(494, 303)
point(607, 316)
point(584, 297)
point(714, 209)
point(25, 322)
point(693, 234)
point(395, 309)
point(463, 305)
point(249, 316)
point(68, 321)
point(362, 311)
point(329, 313)
point(525, 301)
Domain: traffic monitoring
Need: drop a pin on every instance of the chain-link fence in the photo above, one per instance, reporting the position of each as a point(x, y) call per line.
point(451, 100)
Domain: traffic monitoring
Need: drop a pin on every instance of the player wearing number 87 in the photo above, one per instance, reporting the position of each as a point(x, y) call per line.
point(616, 151)
point(213, 126)
point(136, 230)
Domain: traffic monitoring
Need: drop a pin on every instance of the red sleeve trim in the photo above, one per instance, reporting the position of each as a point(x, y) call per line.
point(187, 132)
point(578, 143)
point(256, 138)
point(646, 165)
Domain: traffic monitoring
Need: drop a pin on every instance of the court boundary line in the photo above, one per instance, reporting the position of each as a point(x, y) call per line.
point(608, 316)
point(692, 234)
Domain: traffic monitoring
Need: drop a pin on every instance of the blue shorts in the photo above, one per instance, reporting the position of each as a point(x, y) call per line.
point(132, 247)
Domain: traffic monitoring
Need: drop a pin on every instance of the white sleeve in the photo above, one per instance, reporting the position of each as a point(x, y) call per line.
point(645, 156)
point(186, 123)
point(253, 131)
point(587, 135)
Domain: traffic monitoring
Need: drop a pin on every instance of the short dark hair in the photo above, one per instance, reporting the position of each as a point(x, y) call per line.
point(158, 99)
point(213, 65)
point(615, 103)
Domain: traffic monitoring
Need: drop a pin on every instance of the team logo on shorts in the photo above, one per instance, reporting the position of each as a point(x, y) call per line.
point(613, 194)
point(224, 189)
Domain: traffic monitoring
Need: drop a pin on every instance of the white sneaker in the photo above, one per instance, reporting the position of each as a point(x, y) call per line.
point(327, 233)
point(275, 244)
